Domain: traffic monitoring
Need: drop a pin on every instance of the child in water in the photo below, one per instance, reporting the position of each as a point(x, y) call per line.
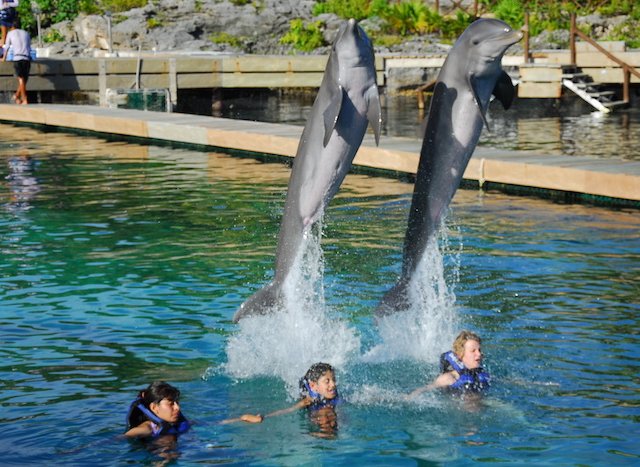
point(156, 412)
point(461, 368)
point(318, 390)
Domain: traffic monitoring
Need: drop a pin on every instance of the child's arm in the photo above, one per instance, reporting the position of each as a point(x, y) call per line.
point(445, 379)
point(140, 431)
point(249, 418)
point(302, 403)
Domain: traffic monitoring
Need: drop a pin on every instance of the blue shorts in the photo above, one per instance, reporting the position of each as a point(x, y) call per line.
point(7, 16)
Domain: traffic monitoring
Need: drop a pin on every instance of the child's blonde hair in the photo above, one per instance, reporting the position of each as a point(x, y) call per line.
point(463, 337)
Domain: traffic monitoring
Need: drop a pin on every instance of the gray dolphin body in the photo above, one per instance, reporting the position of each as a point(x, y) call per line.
point(346, 103)
point(471, 73)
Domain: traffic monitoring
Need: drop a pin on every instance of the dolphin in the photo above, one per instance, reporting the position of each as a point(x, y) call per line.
point(346, 103)
point(472, 72)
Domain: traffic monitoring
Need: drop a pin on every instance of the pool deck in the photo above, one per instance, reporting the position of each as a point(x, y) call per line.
point(607, 180)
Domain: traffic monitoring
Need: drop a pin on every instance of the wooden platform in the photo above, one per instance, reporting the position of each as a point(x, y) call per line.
point(210, 71)
point(614, 181)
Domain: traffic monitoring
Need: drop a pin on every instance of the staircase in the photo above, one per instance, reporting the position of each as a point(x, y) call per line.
point(598, 95)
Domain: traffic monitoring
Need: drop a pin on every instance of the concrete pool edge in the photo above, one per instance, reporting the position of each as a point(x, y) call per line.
point(572, 179)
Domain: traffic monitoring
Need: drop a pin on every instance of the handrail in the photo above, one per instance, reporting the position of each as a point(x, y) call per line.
point(627, 69)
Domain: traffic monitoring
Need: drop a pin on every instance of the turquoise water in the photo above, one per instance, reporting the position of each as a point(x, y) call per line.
point(124, 263)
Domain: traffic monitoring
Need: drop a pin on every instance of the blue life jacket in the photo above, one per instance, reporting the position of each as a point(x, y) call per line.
point(476, 380)
point(137, 409)
point(318, 401)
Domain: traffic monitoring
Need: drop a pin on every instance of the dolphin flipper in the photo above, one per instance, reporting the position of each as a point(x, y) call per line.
point(504, 90)
point(474, 89)
point(374, 111)
point(331, 113)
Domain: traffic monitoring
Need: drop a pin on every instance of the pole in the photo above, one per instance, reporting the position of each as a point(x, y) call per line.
point(527, 52)
point(572, 40)
point(108, 15)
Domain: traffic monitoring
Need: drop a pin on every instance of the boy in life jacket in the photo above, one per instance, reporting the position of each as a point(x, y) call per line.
point(318, 391)
point(461, 368)
point(156, 412)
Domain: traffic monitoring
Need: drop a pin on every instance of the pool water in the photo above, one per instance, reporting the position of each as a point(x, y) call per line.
point(124, 263)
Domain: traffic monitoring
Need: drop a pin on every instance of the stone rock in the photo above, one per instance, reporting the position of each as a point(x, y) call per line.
point(192, 25)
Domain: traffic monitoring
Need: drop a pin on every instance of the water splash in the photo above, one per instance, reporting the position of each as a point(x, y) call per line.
point(429, 325)
point(286, 342)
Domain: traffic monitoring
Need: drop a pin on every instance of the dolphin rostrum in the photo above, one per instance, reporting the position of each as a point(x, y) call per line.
point(346, 103)
point(471, 73)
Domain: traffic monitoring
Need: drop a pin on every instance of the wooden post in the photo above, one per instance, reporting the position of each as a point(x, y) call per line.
point(173, 82)
point(102, 82)
point(625, 87)
point(437, 6)
point(527, 52)
point(572, 40)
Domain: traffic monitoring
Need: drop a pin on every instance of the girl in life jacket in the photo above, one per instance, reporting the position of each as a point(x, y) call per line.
point(318, 389)
point(156, 412)
point(461, 368)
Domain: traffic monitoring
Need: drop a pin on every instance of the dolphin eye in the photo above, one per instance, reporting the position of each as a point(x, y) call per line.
point(475, 42)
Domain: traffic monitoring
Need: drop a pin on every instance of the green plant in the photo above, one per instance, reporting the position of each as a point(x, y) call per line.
point(304, 37)
point(153, 23)
point(356, 9)
point(225, 38)
point(625, 32)
point(116, 6)
point(53, 36)
point(412, 17)
point(511, 12)
point(454, 26)
point(387, 40)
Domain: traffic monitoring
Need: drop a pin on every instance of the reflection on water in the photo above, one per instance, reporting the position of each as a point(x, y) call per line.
point(130, 261)
point(569, 127)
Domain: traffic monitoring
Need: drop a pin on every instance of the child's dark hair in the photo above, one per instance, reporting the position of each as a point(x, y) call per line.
point(317, 370)
point(156, 391)
point(313, 374)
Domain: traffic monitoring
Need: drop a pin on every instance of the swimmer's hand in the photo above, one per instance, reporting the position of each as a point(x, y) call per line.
point(249, 418)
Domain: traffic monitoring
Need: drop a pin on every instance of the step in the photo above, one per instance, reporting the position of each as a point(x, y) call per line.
point(615, 104)
point(574, 76)
point(601, 93)
point(588, 85)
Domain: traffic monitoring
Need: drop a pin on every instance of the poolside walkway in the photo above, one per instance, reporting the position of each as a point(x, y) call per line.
point(618, 182)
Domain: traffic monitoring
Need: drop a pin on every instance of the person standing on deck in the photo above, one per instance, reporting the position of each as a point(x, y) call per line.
point(20, 41)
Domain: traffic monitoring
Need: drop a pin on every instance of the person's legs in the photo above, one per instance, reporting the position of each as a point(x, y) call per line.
point(22, 91)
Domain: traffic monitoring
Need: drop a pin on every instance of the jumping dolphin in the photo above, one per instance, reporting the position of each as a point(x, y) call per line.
point(471, 73)
point(346, 103)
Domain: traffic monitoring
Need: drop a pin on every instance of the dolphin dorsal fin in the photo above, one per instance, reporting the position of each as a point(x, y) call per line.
point(330, 114)
point(504, 90)
point(476, 98)
point(374, 111)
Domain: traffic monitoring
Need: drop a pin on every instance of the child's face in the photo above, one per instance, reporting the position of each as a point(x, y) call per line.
point(167, 409)
point(325, 386)
point(472, 357)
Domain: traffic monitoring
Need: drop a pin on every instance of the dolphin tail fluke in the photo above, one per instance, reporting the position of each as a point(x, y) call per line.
point(260, 303)
point(396, 299)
